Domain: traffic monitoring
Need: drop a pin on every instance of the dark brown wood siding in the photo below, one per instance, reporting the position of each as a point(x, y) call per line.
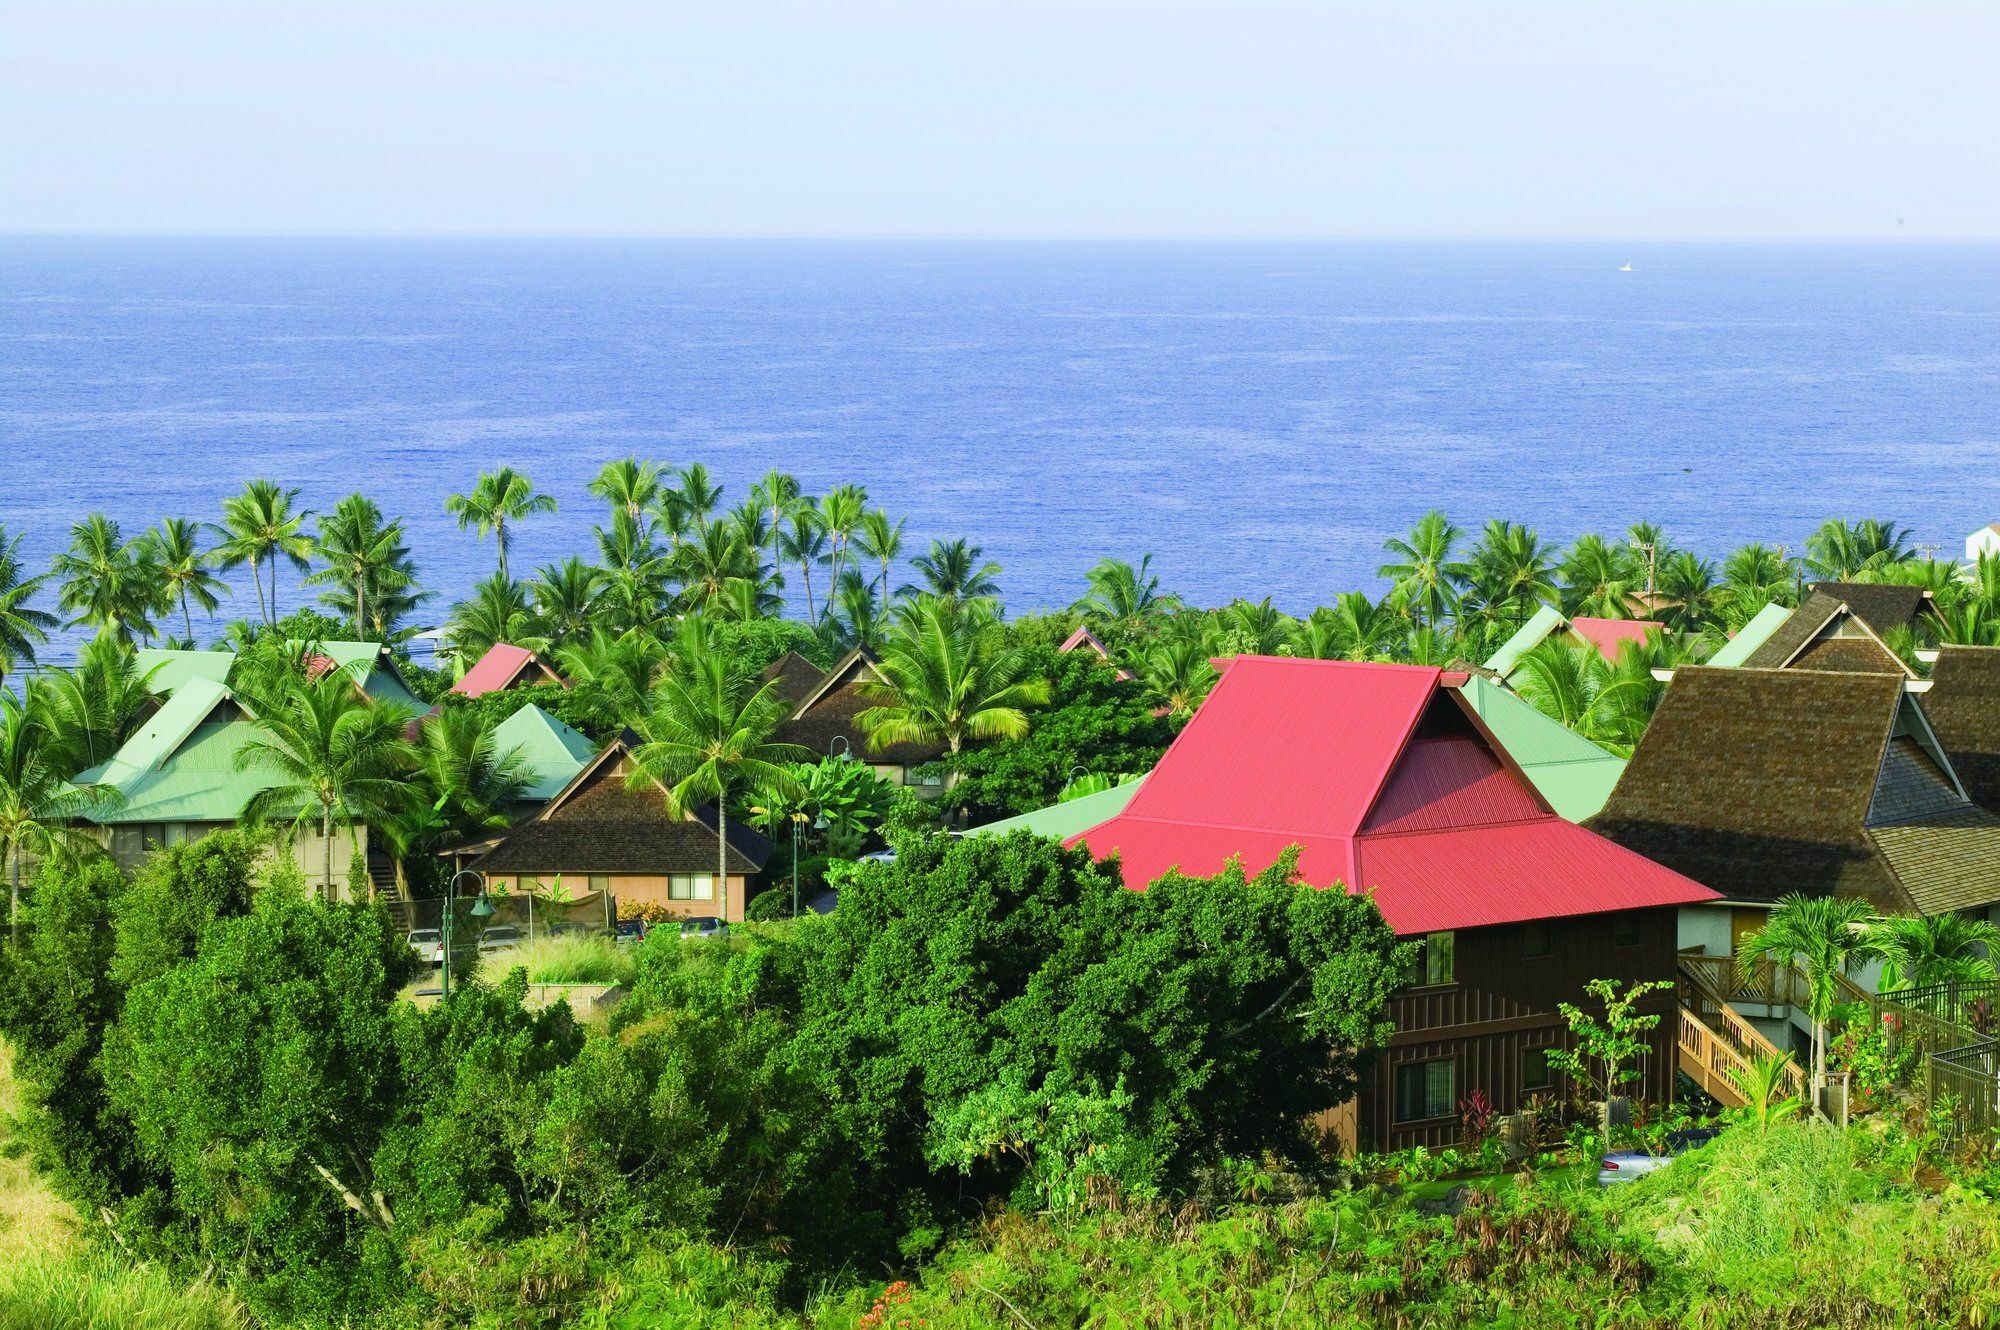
point(1503, 1004)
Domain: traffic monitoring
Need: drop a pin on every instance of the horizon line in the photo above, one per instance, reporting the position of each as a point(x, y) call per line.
point(975, 237)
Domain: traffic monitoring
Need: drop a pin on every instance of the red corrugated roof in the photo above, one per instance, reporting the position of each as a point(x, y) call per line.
point(1609, 636)
point(497, 669)
point(1325, 755)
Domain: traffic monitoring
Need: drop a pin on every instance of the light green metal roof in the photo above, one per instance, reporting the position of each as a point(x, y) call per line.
point(181, 765)
point(1063, 820)
point(165, 671)
point(553, 751)
point(1571, 772)
point(1544, 621)
point(1750, 636)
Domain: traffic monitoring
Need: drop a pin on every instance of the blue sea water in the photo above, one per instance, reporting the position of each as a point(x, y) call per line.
point(1258, 416)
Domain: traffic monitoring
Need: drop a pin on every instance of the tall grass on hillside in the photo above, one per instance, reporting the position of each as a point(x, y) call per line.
point(572, 959)
point(33, 1220)
point(103, 1293)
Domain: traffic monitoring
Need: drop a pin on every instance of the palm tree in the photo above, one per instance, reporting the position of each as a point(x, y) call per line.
point(880, 539)
point(1755, 576)
point(706, 565)
point(1515, 569)
point(1689, 591)
point(1820, 937)
point(692, 500)
point(1761, 1082)
point(39, 806)
point(108, 584)
point(464, 772)
point(855, 613)
point(497, 498)
point(706, 734)
point(498, 612)
point(565, 596)
point(1650, 546)
point(621, 666)
point(1178, 674)
point(22, 626)
point(1608, 703)
point(334, 752)
point(948, 676)
point(802, 540)
point(840, 514)
point(952, 571)
point(777, 494)
point(1354, 628)
point(630, 486)
point(1845, 552)
point(367, 560)
point(1250, 628)
point(260, 527)
point(1918, 950)
point(1599, 579)
point(174, 549)
point(635, 573)
point(750, 525)
point(92, 707)
point(1423, 567)
point(1121, 595)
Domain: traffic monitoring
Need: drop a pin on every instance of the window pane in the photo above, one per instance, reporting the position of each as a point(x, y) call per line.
point(1535, 1074)
point(1539, 938)
point(1425, 1090)
point(677, 887)
point(1626, 930)
point(600, 882)
point(1438, 966)
point(1438, 1079)
point(704, 887)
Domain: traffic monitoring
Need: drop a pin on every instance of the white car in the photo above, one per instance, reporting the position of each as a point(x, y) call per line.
point(428, 944)
point(502, 935)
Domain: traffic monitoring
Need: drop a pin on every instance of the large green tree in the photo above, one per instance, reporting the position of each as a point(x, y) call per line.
point(1423, 566)
point(498, 499)
point(949, 676)
point(22, 626)
point(108, 583)
point(260, 527)
point(1820, 937)
point(368, 563)
point(174, 547)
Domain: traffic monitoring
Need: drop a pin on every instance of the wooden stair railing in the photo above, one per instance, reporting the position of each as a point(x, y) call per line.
point(1715, 1037)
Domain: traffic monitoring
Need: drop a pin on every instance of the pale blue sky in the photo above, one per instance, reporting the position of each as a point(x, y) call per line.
point(860, 117)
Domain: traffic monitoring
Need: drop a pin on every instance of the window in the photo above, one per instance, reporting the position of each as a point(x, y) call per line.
point(930, 777)
point(1426, 1090)
point(1536, 1073)
point(1627, 929)
point(1538, 939)
point(600, 881)
point(1433, 963)
point(691, 887)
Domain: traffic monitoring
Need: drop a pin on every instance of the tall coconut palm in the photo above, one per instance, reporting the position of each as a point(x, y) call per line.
point(1850, 551)
point(1689, 591)
point(1422, 566)
point(1752, 577)
point(93, 706)
point(776, 494)
point(629, 486)
point(707, 564)
point(497, 499)
point(367, 561)
point(1251, 628)
point(107, 582)
point(1650, 548)
point(840, 515)
point(1515, 570)
point(706, 734)
point(1178, 674)
point(1917, 950)
point(855, 615)
point(22, 626)
point(948, 676)
point(1606, 702)
point(565, 596)
point(259, 527)
point(802, 540)
point(1121, 595)
point(174, 548)
point(880, 539)
point(750, 525)
point(953, 570)
point(498, 612)
point(1601, 579)
point(635, 573)
point(463, 783)
point(621, 666)
point(335, 755)
point(1820, 936)
point(1353, 628)
point(39, 806)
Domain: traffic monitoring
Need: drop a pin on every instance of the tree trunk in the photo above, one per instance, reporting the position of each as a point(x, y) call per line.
point(257, 580)
point(805, 568)
point(722, 854)
point(500, 538)
point(187, 620)
point(326, 848)
point(13, 863)
point(360, 619)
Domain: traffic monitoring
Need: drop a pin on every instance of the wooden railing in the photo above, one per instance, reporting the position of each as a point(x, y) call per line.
point(1715, 1038)
point(1709, 1056)
point(1767, 983)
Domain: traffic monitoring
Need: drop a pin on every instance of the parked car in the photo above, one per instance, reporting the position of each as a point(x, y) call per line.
point(631, 932)
point(1630, 1165)
point(501, 935)
point(428, 943)
point(703, 928)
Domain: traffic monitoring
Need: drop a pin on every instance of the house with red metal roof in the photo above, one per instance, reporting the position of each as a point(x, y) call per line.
point(1389, 782)
point(504, 666)
point(1609, 636)
point(1085, 640)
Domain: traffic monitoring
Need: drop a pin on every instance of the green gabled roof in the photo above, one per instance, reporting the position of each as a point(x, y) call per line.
point(1750, 636)
point(155, 742)
point(164, 670)
point(181, 764)
point(1568, 770)
point(553, 751)
point(1063, 820)
point(1544, 621)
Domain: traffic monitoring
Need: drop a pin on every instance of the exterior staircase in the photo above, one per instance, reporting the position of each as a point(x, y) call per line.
point(1716, 1039)
point(382, 876)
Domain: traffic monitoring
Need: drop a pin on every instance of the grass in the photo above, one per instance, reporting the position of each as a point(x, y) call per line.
point(101, 1293)
point(572, 959)
point(34, 1222)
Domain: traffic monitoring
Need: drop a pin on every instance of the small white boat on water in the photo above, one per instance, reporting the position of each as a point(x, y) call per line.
point(1626, 268)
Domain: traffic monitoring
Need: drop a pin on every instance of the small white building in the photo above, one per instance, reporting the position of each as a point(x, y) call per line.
point(1985, 541)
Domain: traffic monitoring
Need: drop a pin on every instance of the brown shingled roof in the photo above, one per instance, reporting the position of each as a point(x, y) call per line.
point(1813, 639)
point(1883, 606)
point(826, 711)
point(601, 824)
point(1762, 782)
point(1964, 708)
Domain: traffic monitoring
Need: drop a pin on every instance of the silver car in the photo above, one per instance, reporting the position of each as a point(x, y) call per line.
point(703, 928)
point(428, 944)
point(499, 936)
point(1630, 1165)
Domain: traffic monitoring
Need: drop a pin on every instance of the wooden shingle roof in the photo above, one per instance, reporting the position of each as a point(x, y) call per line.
point(1827, 632)
point(1763, 782)
point(1964, 709)
point(826, 705)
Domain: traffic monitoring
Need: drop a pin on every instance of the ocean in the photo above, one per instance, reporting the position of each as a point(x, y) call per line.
point(1258, 416)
